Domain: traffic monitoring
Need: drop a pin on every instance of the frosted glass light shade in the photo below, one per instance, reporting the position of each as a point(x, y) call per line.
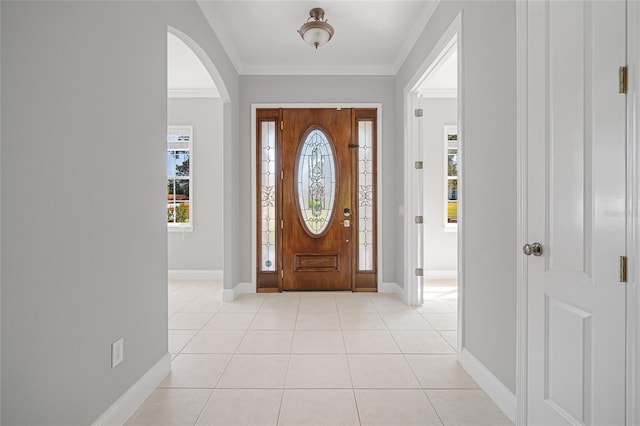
point(316, 31)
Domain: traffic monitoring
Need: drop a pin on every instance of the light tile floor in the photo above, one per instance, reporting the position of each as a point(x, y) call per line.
point(314, 359)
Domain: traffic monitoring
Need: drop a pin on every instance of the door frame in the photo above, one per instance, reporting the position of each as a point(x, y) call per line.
point(379, 174)
point(414, 181)
point(633, 218)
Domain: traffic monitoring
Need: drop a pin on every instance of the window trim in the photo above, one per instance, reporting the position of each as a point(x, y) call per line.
point(448, 130)
point(183, 227)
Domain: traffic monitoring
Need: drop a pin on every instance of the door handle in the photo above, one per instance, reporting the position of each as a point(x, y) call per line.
point(532, 249)
point(346, 223)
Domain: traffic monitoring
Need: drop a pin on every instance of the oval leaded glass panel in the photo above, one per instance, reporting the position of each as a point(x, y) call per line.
point(316, 181)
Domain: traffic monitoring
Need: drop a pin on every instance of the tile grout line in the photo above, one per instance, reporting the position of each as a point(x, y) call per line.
point(346, 355)
point(340, 315)
point(424, 391)
point(197, 330)
point(215, 389)
point(286, 371)
point(187, 343)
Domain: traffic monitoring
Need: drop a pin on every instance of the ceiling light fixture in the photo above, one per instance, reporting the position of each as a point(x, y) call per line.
point(316, 32)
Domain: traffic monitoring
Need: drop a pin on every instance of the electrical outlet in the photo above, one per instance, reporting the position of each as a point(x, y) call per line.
point(117, 352)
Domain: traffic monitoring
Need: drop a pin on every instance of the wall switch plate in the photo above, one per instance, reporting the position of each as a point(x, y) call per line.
point(117, 352)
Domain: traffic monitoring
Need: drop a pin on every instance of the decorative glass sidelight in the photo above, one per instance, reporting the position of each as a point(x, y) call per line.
point(365, 196)
point(268, 195)
point(316, 179)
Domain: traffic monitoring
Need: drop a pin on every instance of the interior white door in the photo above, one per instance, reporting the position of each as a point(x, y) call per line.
point(576, 211)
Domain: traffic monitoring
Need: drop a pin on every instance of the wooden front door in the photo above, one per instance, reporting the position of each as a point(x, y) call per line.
point(317, 231)
point(316, 213)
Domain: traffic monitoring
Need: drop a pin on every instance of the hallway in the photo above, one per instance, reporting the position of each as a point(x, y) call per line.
point(314, 358)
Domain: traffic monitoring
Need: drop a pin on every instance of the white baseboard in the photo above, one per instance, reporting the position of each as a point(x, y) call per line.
point(129, 402)
point(230, 294)
point(391, 287)
point(496, 390)
point(195, 274)
point(441, 275)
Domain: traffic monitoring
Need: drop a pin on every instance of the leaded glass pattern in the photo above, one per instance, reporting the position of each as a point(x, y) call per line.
point(268, 196)
point(316, 181)
point(365, 196)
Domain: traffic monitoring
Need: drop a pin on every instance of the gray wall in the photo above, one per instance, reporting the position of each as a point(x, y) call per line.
point(489, 116)
point(83, 108)
point(0, 211)
point(201, 249)
point(322, 89)
point(440, 247)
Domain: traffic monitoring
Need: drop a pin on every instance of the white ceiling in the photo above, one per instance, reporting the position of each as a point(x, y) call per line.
point(371, 37)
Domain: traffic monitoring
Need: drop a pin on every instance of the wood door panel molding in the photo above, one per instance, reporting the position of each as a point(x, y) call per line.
point(317, 262)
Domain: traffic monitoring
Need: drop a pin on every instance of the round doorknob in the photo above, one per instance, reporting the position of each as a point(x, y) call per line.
point(532, 249)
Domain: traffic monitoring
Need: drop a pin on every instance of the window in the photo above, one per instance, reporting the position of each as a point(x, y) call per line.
point(268, 186)
point(179, 177)
point(365, 195)
point(451, 177)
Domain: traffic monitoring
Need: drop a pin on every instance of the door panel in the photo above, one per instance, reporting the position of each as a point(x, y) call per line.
point(576, 198)
point(318, 238)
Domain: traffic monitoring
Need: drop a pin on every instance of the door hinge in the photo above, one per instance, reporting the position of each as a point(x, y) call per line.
point(282, 224)
point(281, 174)
point(419, 165)
point(282, 125)
point(418, 112)
point(623, 269)
point(281, 273)
point(419, 272)
point(623, 74)
point(419, 219)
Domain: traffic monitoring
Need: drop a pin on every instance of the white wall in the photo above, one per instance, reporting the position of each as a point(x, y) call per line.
point(84, 240)
point(440, 247)
point(201, 249)
point(322, 89)
point(489, 119)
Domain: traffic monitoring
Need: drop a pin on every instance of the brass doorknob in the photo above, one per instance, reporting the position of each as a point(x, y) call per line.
point(532, 249)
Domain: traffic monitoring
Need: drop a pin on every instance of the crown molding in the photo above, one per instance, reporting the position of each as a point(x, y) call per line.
point(369, 70)
point(244, 68)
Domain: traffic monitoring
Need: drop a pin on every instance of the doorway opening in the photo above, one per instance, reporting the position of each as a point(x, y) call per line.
point(195, 175)
point(438, 100)
point(434, 187)
point(194, 166)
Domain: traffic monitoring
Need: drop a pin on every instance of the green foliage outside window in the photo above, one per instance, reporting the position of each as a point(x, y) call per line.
point(178, 213)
